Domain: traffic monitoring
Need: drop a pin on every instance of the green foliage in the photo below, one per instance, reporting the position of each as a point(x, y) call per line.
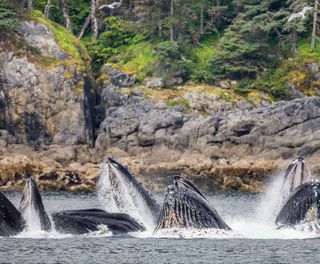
point(244, 87)
point(200, 70)
point(248, 40)
point(274, 82)
point(138, 58)
point(305, 52)
point(112, 41)
point(55, 13)
point(79, 10)
point(8, 16)
point(170, 60)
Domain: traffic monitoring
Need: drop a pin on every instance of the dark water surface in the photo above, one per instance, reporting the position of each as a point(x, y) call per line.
point(259, 243)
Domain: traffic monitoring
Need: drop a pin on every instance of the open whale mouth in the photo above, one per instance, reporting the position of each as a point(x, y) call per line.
point(28, 194)
point(296, 174)
point(120, 191)
point(179, 182)
point(185, 207)
point(31, 207)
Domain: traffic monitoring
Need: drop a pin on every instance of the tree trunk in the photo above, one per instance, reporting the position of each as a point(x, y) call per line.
point(47, 9)
point(29, 5)
point(94, 20)
point(85, 26)
point(65, 14)
point(314, 26)
point(160, 28)
point(293, 41)
point(20, 5)
point(171, 26)
point(201, 19)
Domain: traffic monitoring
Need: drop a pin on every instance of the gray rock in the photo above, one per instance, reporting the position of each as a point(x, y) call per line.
point(282, 129)
point(155, 83)
point(294, 92)
point(137, 92)
point(40, 37)
point(119, 78)
point(312, 67)
point(39, 104)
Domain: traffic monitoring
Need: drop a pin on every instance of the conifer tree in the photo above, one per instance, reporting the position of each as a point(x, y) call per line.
point(8, 16)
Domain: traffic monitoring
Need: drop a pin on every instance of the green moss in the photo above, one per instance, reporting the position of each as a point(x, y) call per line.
point(68, 43)
point(173, 103)
point(47, 62)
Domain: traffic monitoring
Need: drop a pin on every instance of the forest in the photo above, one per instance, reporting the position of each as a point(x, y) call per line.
point(248, 42)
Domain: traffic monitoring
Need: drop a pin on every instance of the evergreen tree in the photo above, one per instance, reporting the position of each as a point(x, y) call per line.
point(8, 16)
point(241, 51)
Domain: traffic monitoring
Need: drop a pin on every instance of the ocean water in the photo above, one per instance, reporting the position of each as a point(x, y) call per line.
point(254, 238)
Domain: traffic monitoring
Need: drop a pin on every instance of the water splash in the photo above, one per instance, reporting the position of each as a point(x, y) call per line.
point(31, 216)
point(118, 195)
point(271, 201)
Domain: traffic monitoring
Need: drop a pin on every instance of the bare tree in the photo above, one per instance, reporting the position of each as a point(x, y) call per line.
point(293, 40)
point(29, 5)
point(314, 25)
point(201, 18)
point(85, 26)
point(65, 14)
point(94, 20)
point(47, 9)
point(171, 25)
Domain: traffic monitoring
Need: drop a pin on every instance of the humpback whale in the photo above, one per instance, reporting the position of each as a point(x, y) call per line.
point(127, 194)
point(300, 194)
point(84, 221)
point(303, 205)
point(31, 205)
point(11, 221)
point(185, 206)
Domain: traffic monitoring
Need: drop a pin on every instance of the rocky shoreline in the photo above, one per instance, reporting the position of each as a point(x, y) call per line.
point(55, 126)
point(231, 151)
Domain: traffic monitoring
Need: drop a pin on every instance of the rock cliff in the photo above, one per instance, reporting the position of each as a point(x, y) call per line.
point(41, 94)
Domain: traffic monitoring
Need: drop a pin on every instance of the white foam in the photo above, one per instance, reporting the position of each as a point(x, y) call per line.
point(190, 233)
point(31, 216)
point(271, 201)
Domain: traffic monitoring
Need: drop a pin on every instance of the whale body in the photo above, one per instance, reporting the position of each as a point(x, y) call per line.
point(11, 221)
point(303, 205)
point(88, 220)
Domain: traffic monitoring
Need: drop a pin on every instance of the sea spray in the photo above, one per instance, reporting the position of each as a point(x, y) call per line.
point(271, 201)
point(118, 195)
point(31, 216)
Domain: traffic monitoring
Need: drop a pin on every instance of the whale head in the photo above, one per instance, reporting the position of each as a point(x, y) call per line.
point(31, 205)
point(121, 192)
point(184, 206)
point(296, 174)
